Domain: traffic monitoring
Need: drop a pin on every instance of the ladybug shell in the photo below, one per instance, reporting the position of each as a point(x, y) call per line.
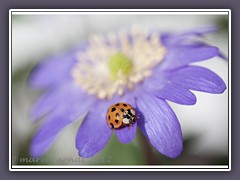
point(115, 115)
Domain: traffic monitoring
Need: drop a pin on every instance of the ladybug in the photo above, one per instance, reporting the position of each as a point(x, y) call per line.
point(120, 115)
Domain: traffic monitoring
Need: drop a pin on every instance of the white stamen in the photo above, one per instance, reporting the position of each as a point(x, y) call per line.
point(147, 73)
point(102, 94)
point(120, 91)
point(92, 74)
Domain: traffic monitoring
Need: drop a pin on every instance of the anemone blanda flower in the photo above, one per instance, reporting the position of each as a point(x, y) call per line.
point(142, 69)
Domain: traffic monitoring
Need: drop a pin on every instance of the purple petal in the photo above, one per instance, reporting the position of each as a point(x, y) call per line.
point(55, 70)
point(68, 93)
point(174, 39)
point(160, 85)
point(38, 149)
point(52, 71)
point(93, 134)
point(177, 94)
point(223, 56)
point(199, 79)
point(201, 31)
point(60, 118)
point(184, 55)
point(127, 134)
point(160, 125)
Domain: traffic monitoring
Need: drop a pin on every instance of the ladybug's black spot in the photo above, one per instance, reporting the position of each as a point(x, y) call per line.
point(122, 109)
point(117, 104)
point(109, 117)
point(112, 126)
point(113, 109)
point(124, 105)
point(116, 121)
point(117, 114)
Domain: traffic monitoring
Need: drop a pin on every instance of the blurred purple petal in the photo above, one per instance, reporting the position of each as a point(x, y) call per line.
point(174, 39)
point(55, 70)
point(127, 134)
point(160, 125)
point(200, 31)
point(39, 148)
point(223, 56)
point(177, 94)
point(184, 55)
point(52, 71)
point(199, 79)
point(61, 117)
point(93, 134)
point(54, 97)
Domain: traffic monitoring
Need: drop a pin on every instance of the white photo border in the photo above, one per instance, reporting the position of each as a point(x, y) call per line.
point(119, 167)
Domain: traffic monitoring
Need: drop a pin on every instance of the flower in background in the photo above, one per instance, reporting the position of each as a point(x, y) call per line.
point(142, 69)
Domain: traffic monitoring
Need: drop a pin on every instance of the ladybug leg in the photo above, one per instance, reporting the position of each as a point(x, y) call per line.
point(129, 126)
point(137, 117)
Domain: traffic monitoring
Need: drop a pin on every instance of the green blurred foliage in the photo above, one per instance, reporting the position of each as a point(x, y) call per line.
point(222, 23)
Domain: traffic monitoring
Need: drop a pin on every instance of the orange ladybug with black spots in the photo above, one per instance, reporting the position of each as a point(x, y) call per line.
point(120, 115)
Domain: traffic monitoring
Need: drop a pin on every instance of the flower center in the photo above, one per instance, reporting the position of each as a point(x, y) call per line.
point(115, 63)
point(119, 65)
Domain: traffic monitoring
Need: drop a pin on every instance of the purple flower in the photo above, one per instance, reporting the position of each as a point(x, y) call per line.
point(142, 69)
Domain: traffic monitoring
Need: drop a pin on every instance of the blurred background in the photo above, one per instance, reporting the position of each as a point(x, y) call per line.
point(204, 125)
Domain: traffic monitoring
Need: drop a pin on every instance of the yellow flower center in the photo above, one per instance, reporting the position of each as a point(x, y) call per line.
point(119, 65)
